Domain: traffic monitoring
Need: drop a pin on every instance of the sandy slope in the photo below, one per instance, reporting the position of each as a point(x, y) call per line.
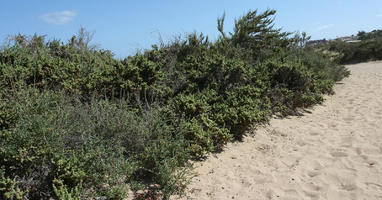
point(334, 151)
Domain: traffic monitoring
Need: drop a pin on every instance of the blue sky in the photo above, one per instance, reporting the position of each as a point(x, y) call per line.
point(125, 26)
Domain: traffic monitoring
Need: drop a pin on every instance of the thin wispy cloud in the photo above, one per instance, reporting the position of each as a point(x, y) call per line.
point(58, 18)
point(379, 15)
point(323, 27)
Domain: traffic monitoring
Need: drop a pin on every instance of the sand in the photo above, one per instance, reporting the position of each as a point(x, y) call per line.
point(333, 151)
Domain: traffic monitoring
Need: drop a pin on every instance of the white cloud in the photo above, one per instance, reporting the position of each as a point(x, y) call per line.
point(58, 18)
point(379, 15)
point(323, 27)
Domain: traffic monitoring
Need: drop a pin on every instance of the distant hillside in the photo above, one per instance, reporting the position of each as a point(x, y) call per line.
point(375, 34)
point(365, 46)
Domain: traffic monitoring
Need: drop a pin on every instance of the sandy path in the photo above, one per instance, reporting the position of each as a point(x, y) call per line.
point(334, 152)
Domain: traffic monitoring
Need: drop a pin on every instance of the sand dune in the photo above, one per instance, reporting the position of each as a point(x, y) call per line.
point(334, 151)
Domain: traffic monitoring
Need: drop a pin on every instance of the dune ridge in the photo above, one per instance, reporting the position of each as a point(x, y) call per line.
point(333, 151)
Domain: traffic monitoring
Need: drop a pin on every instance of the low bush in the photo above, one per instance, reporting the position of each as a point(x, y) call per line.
point(368, 48)
point(363, 51)
point(61, 146)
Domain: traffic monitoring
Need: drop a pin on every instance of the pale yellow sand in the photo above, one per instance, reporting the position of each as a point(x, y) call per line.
point(334, 152)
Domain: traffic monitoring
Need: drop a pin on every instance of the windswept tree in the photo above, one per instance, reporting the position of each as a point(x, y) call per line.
point(255, 34)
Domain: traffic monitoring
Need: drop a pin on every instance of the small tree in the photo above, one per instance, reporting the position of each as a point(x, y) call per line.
point(82, 39)
point(255, 34)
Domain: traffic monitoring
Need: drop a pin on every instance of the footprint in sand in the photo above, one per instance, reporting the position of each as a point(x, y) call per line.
point(374, 186)
point(338, 154)
point(348, 187)
point(313, 187)
point(301, 143)
point(313, 173)
point(314, 133)
point(312, 195)
point(347, 142)
point(358, 151)
point(348, 119)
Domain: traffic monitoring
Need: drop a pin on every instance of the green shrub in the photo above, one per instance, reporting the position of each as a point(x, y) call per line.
point(76, 123)
point(62, 147)
point(368, 49)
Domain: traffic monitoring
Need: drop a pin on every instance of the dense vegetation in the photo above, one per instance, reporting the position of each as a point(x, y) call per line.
point(76, 123)
point(368, 49)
